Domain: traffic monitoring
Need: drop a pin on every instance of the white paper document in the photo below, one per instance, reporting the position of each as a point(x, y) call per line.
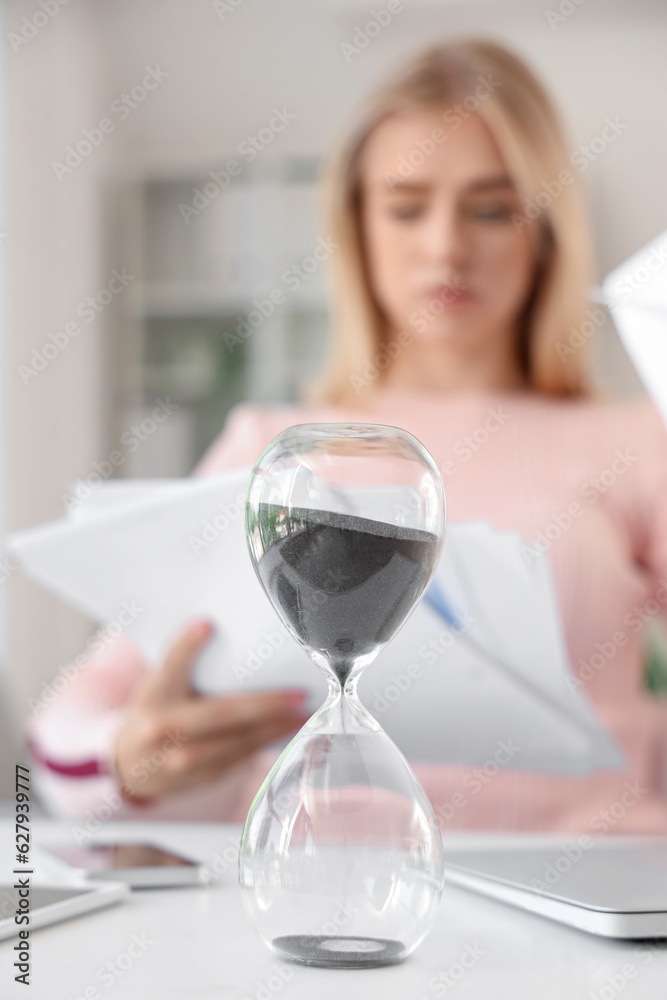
point(636, 294)
point(480, 662)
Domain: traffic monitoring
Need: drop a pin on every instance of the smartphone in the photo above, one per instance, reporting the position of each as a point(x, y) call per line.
point(140, 866)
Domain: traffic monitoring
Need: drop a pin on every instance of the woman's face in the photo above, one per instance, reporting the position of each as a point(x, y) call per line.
point(445, 258)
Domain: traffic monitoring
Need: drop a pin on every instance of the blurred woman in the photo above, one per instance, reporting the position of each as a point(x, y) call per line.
point(460, 278)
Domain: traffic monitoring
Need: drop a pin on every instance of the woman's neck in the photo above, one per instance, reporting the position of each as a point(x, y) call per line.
point(442, 367)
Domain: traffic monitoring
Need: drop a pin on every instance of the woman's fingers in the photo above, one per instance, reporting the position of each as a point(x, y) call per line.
point(209, 716)
point(188, 738)
point(222, 754)
point(187, 763)
point(173, 679)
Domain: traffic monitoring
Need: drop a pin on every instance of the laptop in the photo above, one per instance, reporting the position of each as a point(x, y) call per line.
point(615, 887)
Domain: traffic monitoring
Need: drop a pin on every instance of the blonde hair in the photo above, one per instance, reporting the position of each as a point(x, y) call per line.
point(528, 133)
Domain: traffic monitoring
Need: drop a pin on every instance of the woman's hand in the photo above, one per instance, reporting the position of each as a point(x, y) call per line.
point(173, 738)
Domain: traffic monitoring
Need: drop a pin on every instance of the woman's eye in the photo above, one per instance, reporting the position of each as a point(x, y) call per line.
point(491, 213)
point(402, 212)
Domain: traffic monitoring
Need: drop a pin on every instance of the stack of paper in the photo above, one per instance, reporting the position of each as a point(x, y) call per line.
point(481, 662)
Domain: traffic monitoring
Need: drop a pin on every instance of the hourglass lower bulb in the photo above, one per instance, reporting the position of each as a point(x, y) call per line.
point(341, 861)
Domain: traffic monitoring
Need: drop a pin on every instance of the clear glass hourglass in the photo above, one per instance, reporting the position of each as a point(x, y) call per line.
point(341, 861)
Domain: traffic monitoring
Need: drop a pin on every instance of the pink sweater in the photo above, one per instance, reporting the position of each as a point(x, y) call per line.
point(587, 480)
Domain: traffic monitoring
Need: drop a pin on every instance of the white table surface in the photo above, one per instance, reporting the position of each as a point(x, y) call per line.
point(200, 944)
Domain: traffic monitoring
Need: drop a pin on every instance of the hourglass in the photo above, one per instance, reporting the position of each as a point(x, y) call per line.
point(341, 861)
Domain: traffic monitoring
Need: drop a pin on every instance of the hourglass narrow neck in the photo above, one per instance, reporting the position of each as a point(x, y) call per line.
point(342, 712)
point(338, 690)
point(337, 702)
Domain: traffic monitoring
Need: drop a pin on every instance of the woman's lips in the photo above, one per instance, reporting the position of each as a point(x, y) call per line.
point(450, 296)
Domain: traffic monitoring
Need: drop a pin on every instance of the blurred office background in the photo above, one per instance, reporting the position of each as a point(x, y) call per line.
point(169, 327)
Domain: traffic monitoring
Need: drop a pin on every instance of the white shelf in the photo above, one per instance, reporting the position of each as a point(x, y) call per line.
point(214, 267)
point(191, 298)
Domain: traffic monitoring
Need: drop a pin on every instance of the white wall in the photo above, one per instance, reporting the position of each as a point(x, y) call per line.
point(607, 59)
point(224, 78)
point(5, 381)
point(57, 247)
point(8, 729)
